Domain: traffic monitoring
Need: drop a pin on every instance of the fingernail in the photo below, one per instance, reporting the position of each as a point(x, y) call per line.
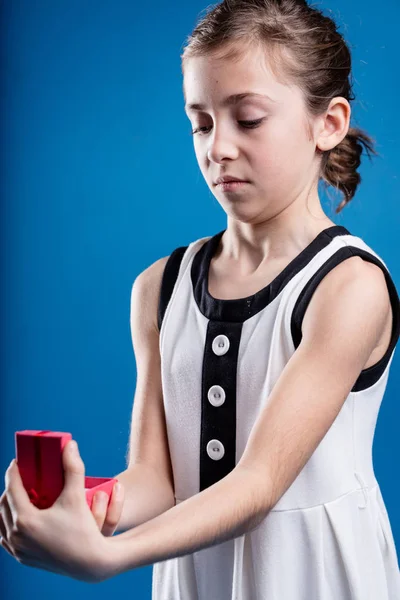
point(73, 447)
point(117, 489)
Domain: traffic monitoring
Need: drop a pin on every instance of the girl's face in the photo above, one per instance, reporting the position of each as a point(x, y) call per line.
point(262, 140)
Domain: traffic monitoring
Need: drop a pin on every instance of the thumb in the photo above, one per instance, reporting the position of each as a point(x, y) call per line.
point(74, 471)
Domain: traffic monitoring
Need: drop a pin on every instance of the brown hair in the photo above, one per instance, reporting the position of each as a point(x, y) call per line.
point(313, 55)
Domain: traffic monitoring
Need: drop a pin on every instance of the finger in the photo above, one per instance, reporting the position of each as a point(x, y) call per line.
point(3, 532)
point(114, 511)
point(74, 473)
point(99, 508)
point(16, 493)
point(6, 519)
point(7, 547)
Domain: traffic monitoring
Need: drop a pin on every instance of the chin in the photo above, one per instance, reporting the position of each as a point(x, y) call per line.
point(243, 216)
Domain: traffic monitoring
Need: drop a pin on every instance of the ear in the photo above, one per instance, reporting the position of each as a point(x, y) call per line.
point(334, 124)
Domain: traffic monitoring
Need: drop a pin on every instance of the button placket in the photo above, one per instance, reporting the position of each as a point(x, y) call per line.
point(216, 396)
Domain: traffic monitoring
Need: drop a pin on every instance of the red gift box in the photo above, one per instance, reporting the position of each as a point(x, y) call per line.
point(39, 459)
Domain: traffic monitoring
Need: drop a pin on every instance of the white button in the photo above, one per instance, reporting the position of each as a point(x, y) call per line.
point(215, 449)
point(220, 345)
point(216, 395)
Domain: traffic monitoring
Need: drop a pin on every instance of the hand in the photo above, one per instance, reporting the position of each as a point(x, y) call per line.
point(62, 539)
point(107, 518)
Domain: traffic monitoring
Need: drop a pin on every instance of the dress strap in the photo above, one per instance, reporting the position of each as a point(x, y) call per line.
point(373, 373)
point(168, 281)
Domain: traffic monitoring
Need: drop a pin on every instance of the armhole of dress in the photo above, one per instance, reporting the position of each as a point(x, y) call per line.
point(168, 280)
point(368, 377)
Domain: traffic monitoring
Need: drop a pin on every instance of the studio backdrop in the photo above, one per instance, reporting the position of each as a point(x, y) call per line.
point(98, 180)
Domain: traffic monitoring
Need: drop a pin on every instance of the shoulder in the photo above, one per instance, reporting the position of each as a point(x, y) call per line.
point(146, 291)
point(146, 287)
point(352, 300)
point(356, 275)
point(153, 272)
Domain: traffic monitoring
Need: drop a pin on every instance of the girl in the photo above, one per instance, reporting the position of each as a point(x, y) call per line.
point(249, 316)
point(263, 351)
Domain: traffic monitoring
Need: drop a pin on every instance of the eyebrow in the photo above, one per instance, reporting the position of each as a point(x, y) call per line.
point(230, 100)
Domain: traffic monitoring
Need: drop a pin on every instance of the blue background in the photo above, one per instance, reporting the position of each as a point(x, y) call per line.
point(99, 180)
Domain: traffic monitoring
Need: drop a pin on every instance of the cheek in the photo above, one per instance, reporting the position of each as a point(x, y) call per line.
point(281, 150)
point(201, 156)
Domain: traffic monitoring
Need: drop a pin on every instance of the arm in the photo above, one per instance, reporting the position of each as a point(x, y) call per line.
point(232, 506)
point(147, 480)
point(146, 496)
point(342, 326)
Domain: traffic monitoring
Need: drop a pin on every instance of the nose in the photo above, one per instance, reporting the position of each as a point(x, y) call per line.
point(221, 146)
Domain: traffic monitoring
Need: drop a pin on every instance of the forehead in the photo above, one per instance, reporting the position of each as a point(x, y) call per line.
point(227, 81)
point(231, 100)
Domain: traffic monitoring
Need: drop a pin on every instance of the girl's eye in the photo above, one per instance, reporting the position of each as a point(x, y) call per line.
point(246, 124)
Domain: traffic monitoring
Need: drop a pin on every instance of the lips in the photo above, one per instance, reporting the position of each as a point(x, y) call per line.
point(227, 179)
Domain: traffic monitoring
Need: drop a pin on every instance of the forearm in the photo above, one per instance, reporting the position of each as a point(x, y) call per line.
point(146, 496)
point(223, 511)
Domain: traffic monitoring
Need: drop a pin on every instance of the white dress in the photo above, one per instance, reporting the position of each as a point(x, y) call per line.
point(329, 536)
